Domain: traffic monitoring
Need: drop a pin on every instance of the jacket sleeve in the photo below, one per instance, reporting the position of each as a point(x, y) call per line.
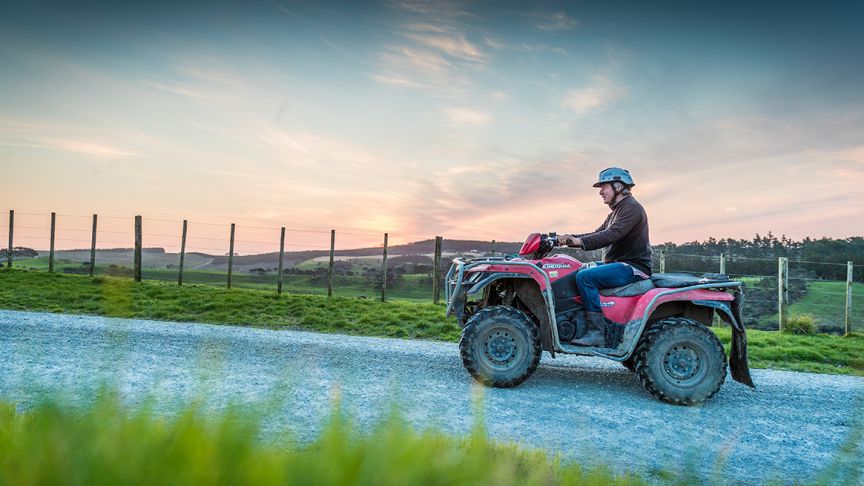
point(613, 230)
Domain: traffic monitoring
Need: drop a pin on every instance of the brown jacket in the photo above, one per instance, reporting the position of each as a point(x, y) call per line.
point(624, 234)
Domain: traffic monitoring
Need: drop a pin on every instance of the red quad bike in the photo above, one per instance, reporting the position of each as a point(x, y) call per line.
point(657, 327)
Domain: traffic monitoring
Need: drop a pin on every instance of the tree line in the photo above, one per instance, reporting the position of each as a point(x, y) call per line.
point(807, 257)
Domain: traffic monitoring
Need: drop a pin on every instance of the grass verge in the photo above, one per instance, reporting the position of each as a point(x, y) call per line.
point(121, 297)
point(107, 444)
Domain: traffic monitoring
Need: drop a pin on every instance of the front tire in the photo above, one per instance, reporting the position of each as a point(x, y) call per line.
point(680, 361)
point(500, 346)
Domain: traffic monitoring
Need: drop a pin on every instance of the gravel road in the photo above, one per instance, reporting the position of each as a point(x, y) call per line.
point(584, 408)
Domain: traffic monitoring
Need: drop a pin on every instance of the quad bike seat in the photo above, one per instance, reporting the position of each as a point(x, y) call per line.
point(663, 280)
point(629, 290)
point(567, 285)
point(677, 280)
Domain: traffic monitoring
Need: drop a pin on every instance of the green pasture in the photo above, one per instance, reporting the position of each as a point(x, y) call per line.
point(409, 287)
point(827, 301)
point(153, 299)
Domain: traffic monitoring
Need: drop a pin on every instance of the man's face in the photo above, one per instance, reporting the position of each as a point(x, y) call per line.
point(607, 193)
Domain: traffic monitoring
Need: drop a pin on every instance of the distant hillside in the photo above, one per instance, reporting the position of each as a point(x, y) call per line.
point(415, 252)
point(425, 247)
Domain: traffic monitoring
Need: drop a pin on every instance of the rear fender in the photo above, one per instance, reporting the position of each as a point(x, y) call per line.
point(684, 302)
point(656, 299)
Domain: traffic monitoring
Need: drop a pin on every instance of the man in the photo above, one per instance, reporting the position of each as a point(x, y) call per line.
point(627, 257)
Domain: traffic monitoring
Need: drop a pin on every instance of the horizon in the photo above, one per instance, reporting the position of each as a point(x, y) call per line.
point(251, 248)
point(468, 120)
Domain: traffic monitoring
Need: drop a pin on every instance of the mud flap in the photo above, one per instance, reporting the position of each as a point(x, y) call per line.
point(738, 354)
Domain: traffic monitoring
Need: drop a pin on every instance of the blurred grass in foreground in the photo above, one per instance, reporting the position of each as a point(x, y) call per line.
point(122, 297)
point(106, 444)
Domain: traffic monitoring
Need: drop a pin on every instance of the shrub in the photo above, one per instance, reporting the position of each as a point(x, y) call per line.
point(800, 324)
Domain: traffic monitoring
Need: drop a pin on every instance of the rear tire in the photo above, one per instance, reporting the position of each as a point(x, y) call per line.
point(500, 346)
point(680, 361)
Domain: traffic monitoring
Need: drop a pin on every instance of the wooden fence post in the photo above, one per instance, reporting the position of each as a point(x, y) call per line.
point(849, 269)
point(231, 256)
point(330, 269)
point(138, 259)
point(11, 227)
point(93, 248)
point(782, 291)
point(436, 275)
point(281, 256)
point(662, 261)
point(722, 264)
point(51, 249)
point(384, 272)
point(182, 254)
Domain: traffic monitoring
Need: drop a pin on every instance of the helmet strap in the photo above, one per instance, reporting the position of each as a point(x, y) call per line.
point(621, 191)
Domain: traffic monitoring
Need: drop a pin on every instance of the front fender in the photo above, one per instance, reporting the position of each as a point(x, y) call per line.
point(475, 282)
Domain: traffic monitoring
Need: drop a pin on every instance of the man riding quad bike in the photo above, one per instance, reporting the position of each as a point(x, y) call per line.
point(513, 308)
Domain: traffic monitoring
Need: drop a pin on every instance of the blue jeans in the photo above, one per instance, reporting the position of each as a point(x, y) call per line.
point(604, 276)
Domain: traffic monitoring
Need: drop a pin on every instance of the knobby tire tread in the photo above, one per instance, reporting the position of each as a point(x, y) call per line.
point(469, 335)
point(648, 340)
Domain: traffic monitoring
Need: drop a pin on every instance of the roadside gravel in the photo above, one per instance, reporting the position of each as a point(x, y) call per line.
point(583, 408)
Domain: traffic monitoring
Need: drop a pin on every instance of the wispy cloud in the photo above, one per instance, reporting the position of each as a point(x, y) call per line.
point(556, 21)
point(398, 81)
point(600, 94)
point(177, 89)
point(467, 116)
point(30, 135)
point(452, 44)
point(436, 55)
point(310, 149)
point(92, 149)
point(411, 60)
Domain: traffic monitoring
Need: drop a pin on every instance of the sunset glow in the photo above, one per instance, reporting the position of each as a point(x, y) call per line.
point(474, 120)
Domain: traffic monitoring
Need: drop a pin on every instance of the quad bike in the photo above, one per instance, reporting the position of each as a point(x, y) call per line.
point(656, 327)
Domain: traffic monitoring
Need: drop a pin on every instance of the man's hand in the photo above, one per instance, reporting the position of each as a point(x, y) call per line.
point(569, 240)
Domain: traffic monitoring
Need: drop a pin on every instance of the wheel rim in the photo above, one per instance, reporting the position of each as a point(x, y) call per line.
point(685, 364)
point(501, 348)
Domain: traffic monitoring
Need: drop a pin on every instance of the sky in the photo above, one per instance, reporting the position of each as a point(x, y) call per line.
point(476, 120)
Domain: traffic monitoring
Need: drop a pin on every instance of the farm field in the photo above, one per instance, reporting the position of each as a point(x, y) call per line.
point(159, 300)
point(410, 287)
point(827, 301)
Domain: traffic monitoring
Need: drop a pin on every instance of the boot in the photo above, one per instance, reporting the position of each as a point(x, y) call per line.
point(596, 331)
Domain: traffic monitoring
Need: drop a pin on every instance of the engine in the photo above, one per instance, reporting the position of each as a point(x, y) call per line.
point(571, 325)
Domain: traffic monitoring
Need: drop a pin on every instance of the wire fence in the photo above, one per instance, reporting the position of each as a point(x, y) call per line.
point(103, 245)
point(822, 292)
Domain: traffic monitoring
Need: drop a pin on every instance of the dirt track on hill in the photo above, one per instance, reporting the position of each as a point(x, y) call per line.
point(585, 408)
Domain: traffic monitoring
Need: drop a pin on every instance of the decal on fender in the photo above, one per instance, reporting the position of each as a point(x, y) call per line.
point(556, 265)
